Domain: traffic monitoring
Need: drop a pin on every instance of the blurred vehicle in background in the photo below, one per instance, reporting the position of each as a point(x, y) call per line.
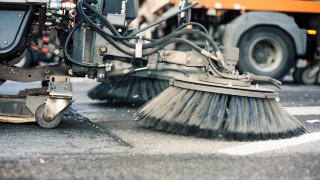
point(273, 36)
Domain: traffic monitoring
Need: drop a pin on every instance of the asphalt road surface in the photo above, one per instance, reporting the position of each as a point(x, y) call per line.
point(99, 140)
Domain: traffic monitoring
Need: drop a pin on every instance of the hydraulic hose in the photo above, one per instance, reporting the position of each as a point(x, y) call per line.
point(149, 45)
point(157, 45)
point(171, 41)
point(204, 29)
point(164, 40)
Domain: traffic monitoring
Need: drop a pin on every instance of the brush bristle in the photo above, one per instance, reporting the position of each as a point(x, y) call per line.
point(129, 89)
point(213, 115)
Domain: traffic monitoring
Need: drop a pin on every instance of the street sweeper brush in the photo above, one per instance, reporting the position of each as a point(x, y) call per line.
point(219, 111)
point(129, 89)
point(141, 87)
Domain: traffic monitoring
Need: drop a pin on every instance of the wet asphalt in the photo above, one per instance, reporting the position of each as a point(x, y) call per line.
point(99, 140)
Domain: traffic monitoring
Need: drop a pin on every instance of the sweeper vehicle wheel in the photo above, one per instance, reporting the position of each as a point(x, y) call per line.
point(47, 122)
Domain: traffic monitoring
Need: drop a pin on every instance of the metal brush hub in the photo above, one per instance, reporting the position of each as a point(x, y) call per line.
point(250, 91)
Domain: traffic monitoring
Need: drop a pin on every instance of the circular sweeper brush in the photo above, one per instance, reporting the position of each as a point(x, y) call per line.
point(141, 87)
point(129, 89)
point(219, 111)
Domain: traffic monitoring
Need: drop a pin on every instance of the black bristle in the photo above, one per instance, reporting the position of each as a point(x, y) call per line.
point(213, 115)
point(129, 89)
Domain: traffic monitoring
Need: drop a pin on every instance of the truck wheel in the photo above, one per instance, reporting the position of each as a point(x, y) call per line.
point(46, 123)
point(266, 51)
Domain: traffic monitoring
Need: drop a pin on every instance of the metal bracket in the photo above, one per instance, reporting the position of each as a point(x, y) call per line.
point(252, 91)
point(54, 106)
point(60, 87)
point(60, 96)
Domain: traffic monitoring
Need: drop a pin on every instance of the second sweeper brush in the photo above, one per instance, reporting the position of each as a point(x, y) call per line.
point(129, 89)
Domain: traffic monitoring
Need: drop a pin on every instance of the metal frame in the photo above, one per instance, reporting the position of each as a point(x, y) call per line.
point(252, 91)
point(33, 74)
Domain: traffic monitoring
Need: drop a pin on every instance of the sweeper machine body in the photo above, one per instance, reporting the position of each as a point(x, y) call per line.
point(206, 96)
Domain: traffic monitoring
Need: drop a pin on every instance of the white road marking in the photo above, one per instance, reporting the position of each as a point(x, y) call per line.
point(306, 110)
point(262, 146)
point(311, 121)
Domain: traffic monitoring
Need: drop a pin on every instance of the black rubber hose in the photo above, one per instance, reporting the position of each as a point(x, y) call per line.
point(101, 16)
point(100, 31)
point(157, 43)
point(150, 45)
point(78, 63)
point(116, 34)
point(204, 29)
point(182, 32)
point(171, 41)
point(131, 45)
point(105, 21)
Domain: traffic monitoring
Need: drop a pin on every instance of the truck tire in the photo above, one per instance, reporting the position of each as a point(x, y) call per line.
point(266, 51)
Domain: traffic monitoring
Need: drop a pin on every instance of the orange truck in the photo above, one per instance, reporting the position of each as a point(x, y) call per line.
point(273, 36)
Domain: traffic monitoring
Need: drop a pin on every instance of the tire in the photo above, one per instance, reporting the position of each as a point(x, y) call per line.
point(46, 123)
point(266, 51)
point(306, 79)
